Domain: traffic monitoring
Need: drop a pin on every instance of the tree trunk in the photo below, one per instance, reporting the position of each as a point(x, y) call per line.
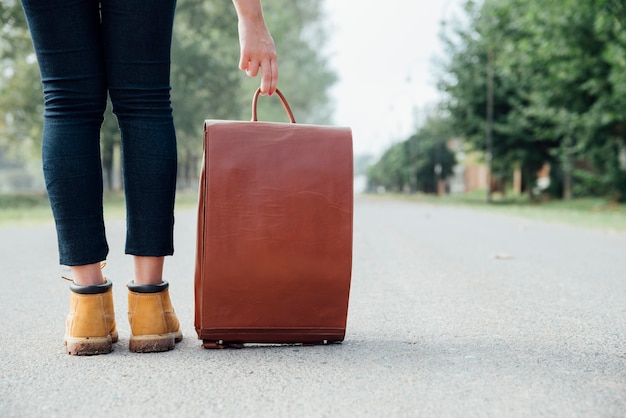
point(490, 76)
point(567, 169)
point(107, 164)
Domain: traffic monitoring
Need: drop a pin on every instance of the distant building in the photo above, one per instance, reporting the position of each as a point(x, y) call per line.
point(469, 173)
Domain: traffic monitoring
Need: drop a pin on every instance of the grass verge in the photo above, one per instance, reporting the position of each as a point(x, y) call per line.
point(596, 213)
point(22, 209)
point(26, 209)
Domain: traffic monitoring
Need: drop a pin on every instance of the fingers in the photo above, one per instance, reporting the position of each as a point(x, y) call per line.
point(252, 69)
point(269, 73)
point(274, 72)
point(269, 77)
point(243, 61)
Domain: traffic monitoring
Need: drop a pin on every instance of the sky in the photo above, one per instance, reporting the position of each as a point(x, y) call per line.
point(383, 54)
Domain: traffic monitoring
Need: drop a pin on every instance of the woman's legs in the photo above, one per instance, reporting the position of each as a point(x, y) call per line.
point(148, 270)
point(67, 39)
point(137, 38)
point(137, 41)
point(84, 48)
point(79, 58)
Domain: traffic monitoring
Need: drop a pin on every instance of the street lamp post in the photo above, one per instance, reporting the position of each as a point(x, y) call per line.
point(489, 121)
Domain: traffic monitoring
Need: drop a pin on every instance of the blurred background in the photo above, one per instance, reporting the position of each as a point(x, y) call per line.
point(492, 98)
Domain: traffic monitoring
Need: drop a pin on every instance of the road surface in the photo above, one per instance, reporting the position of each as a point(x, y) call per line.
point(453, 313)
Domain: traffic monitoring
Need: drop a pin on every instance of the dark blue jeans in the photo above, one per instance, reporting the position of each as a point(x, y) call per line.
point(85, 49)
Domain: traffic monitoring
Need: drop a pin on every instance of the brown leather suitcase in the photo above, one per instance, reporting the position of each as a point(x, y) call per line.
point(274, 243)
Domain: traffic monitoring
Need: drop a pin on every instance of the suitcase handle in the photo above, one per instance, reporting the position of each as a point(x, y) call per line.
point(255, 99)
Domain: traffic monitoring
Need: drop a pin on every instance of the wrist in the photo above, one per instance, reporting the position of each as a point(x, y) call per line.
point(249, 10)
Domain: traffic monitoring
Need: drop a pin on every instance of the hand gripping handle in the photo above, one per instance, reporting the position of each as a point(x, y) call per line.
point(255, 99)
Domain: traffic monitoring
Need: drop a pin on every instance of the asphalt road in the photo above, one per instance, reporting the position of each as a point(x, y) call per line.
point(452, 313)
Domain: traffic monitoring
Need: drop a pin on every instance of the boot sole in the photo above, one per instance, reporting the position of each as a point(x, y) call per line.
point(154, 343)
point(88, 346)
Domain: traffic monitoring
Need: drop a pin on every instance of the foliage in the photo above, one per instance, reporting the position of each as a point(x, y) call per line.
point(206, 81)
point(560, 78)
point(204, 74)
point(417, 163)
point(20, 90)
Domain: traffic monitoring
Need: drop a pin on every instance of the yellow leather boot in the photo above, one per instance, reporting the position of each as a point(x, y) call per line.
point(154, 325)
point(90, 324)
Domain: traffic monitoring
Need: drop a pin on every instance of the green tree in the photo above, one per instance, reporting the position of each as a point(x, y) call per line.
point(418, 163)
point(20, 89)
point(206, 82)
point(476, 52)
point(430, 160)
point(566, 81)
point(559, 75)
point(391, 171)
point(205, 79)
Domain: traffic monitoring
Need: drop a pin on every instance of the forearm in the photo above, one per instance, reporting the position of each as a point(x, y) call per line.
point(257, 46)
point(249, 9)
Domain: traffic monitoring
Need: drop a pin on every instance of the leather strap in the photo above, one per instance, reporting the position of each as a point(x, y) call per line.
point(255, 99)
